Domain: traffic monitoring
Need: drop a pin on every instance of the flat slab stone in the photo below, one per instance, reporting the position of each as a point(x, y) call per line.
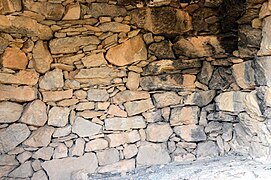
point(115, 124)
point(10, 112)
point(85, 128)
point(21, 78)
point(66, 166)
point(19, 94)
point(104, 9)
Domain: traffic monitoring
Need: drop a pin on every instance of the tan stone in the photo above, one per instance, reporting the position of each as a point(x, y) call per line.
point(52, 80)
point(114, 27)
point(22, 77)
point(116, 111)
point(84, 106)
point(158, 132)
point(73, 12)
point(189, 81)
point(137, 107)
point(133, 81)
point(130, 151)
point(108, 156)
point(10, 6)
point(184, 115)
point(10, 112)
point(49, 96)
point(96, 144)
point(244, 74)
point(40, 137)
point(128, 52)
point(20, 94)
point(122, 138)
point(88, 114)
point(94, 60)
point(71, 59)
point(68, 102)
point(25, 26)
point(14, 58)
point(190, 133)
point(126, 96)
point(166, 99)
point(42, 57)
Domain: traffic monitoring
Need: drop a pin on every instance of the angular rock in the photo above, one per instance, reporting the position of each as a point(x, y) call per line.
point(108, 156)
point(133, 81)
point(44, 153)
point(12, 136)
point(221, 79)
point(262, 69)
point(181, 155)
point(153, 116)
point(52, 80)
point(166, 99)
point(35, 114)
point(60, 132)
point(104, 9)
point(78, 148)
point(3, 45)
point(131, 51)
point(162, 20)
point(207, 149)
point(121, 166)
point(116, 140)
point(73, 12)
point(58, 116)
point(116, 111)
point(19, 94)
point(51, 96)
point(8, 160)
point(25, 26)
point(70, 60)
point(184, 115)
point(66, 166)
point(40, 137)
point(42, 57)
point(167, 65)
point(231, 101)
point(61, 151)
point(244, 74)
point(162, 50)
point(253, 105)
point(158, 132)
point(21, 78)
point(127, 96)
point(85, 128)
point(130, 151)
point(84, 106)
point(10, 112)
point(221, 116)
point(71, 44)
point(96, 144)
point(23, 171)
point(201, 46)
point(14, 58)
point(137, 107)
point(116, 124)
point(213, 127)
point(114, 27)
point(152, 154)
point(39, 175)
point(87, 114)
point(206, 73)
point(200, 98)
point(98, 95)
point(5, 170)
point(265, 49)
point(10, 6)
point(191, 133)
point(94, 60)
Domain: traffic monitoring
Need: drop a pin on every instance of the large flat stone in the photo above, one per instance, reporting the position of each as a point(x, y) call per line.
point(10, 112)
point(166, 99)
point(85, 128)
point(40, 137)
point(51, 96)
point(115, 27)
point(127, 96)
point(265, 49)
point(116, 124)
point(104, 9)
point(58, 116)
point(12, 136)
point(14, 58)
point(137, 107)
point(21, 78)
point(262, 71)
point(121, 166)
point(66, 166)
point(52, 80)
point(98, 95)
point(158, 132)
point(108, 156)
point(131, 51)
point(20, 94)
point(25, 26)
point(191, 133)
point(184, 115)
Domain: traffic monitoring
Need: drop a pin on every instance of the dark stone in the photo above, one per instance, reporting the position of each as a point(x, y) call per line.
point(128, 2)
point(248, 16)
point(104, 9)
point(3, 45)
point(206, 73)
point(203, 98)
point(162, 50)
point(221, 79)
point(199, 17)
point(249, 37)
point(213, 127)
point(221, 116)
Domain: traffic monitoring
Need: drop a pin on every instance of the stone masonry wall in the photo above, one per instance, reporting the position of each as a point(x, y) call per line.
point(94, 86)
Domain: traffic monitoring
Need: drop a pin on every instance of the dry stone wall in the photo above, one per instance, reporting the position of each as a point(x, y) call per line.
point(101, 86)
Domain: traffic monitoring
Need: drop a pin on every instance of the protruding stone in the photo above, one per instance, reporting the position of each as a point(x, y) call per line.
point(98, 95)
point(21, 78)
point(35, 114)
point(12, 136)
point(191, 133)
point(265, 49)
point(85, 128)
point(108, 156)
point(184, 115)
point(40, 137)
point(152, 154)
point(78, 148)
point(167, 99)
point(137, 107)
point(133, 81)
point(14, 58)
point(130, 151)
point(25, 26)
point(131, 51)
point(42, 57)
point(158, 132)
point(19, 94)
point(116, 124)
point(58, 116)
point(66, 166)
point(52, 80)
point(60, 132)
point(10, 112)
point(73, 12)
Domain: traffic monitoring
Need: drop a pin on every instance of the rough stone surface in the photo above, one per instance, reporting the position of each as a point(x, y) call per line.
point(158, 132)
point(94, 60)
point(86, 162)
point(114, 27)
point(20, 94)
point(35, 114)
point(12, 136)
point(85, 128)
point(184, 115)
point(116, 124)
point(231, 101)
point(127, 96)
point(207, 149)
point(137, 107)
point(162, 50)
point(127, 53)
point(40, 137)
point(108, 156)
point(42, 57)
point(265, 49)
point(49, 96)
point(120, 167)
point(104, 9)
point(52, 80)
point(73, 12)
point(23, 171)
point(10, 112)
point(21, 78)
point(9, 6)
point(191, 133)
point(262, 68)
point(58, 116)
point(96, 144)
point(97, 95)
point(14, 58)
point(166, 99)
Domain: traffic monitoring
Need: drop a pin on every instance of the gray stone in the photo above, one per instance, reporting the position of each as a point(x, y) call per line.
point(213, 127)
point(200, 98)
point(244, 74)
point(5, 170)
point(35, 114)
point(8, 160)
point(116, 124)
point(58, 116)
point(158, 132)
point(98, 95)
point(71, 44)
point(166, 99)
point(78, 148)
point(23, 171)
point(104, 9)
point(61, 151)
point(206, 72)
point(3, 45)
point(262, 69)
point(137, 107)
point(207, 149)
point(39, 175)
point(108, 156)
point(116, 140)
point(162, 50)
point(130, 151)
point(60, 132)
point(265, 49)
point(153, 116)
point(221, 116)
point(221, 79)
point(184, 115)
point(191, 133)
point(96, 144)
point(119, 167)
point(52, 80)
point(152, 154)
point(12, 136)
point(227, 130)
point(40, 137)
point(10, 112)
point(24, 156)
point(85, 128)
point(66, 166)
point(44, 153)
